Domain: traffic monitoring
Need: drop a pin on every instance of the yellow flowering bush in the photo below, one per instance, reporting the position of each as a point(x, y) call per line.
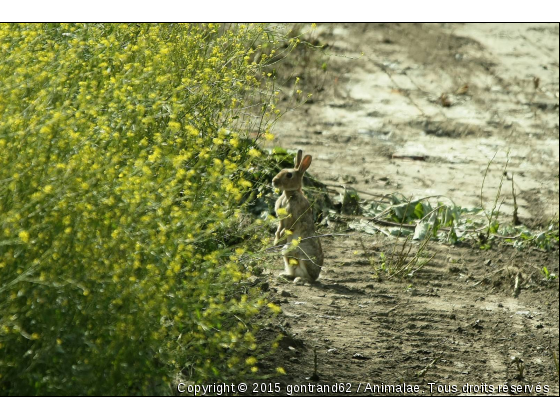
point(122, 153)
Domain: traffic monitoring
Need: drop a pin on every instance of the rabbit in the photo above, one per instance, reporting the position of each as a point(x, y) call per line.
point(304, 262)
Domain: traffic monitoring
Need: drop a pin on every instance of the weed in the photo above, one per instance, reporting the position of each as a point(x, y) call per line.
point(492, 215)
point(548, 275)
point(315, 376)
point(405, 259)
point(516, 221)
point(520, 366)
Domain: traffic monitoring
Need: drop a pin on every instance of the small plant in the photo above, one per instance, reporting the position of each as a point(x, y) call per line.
point(404, 260)
point(315, 376)
point(492, 215)
point(520, 366)
point(548, 275)
point(350, 202)
point(516, 221)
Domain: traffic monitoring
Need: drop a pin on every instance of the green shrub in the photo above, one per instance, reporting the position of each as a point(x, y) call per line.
point(120, 169)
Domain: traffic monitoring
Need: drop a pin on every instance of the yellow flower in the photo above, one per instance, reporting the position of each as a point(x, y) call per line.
point(280, 370)
point(274, 308)
point(245, 183)
point(45, 130)
point(254, 153)
point(24, 236)
point(251, 361)
point(174, 126)
point(191, 130)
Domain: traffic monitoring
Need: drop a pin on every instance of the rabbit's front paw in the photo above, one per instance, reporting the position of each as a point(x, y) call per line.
point(286, 276)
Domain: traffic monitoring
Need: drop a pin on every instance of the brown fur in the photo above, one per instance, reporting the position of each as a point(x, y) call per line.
point(299, 221)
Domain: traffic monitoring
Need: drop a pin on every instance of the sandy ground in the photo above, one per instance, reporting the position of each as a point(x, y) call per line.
point(387, 102)
point(456, 321)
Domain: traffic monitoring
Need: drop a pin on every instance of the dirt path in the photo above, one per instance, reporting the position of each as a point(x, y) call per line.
point(456, 321)
point(453, 323)
point(387, 102)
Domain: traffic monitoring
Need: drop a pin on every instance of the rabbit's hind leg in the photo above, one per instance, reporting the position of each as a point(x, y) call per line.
point(302, 276)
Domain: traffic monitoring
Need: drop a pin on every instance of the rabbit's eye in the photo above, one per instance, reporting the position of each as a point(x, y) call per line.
point(289, 175)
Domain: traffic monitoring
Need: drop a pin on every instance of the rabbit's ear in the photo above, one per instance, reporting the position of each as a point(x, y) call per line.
point(304, 164)
point(297, 159)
